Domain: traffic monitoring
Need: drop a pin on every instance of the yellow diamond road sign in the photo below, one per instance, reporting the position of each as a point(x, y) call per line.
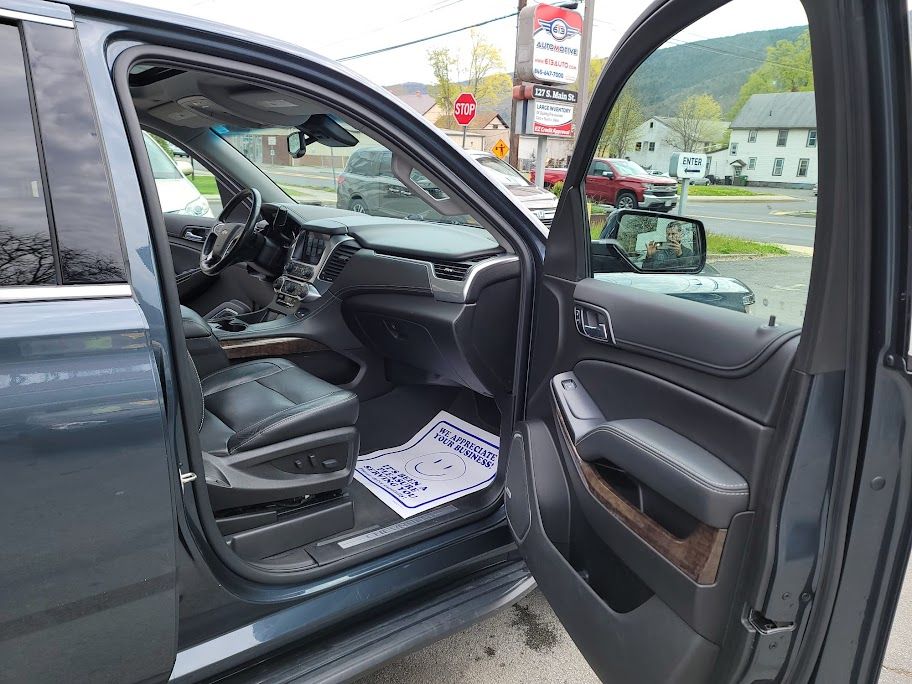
point(501, 149)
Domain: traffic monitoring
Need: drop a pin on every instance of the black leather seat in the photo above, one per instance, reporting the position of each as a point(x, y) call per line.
point(270, 431)
point(263, 402)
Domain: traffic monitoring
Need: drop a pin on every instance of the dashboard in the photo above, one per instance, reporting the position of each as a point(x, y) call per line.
point(318, 243)
point(438, 300)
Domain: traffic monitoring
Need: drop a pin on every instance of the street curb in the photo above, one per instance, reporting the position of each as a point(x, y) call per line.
point(803, 250)
point(744, 198)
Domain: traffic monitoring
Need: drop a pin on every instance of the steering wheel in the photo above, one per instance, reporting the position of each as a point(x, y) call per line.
point(225, 243)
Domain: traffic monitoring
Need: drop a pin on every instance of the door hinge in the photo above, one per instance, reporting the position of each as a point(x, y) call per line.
point(187, 478)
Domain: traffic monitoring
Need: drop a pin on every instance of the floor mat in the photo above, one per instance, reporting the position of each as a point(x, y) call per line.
point(446, 459)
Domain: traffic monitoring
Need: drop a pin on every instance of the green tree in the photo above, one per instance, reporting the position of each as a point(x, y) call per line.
point(480, 74)
point(445, 66)
point(693, 125)
point(787, 69)
point(625, 116)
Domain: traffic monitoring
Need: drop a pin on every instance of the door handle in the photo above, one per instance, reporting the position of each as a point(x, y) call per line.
point(593, 322)
point(195, 233)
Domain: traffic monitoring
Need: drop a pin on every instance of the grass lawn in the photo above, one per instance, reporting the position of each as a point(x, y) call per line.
point(727, 244)
point(718, 191)
point(205, 184)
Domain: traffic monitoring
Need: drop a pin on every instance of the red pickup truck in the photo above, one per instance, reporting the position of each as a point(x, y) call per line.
point(623, 183)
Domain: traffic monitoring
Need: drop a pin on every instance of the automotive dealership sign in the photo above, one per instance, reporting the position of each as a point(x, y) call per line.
point(545, 117)
point(549, 43)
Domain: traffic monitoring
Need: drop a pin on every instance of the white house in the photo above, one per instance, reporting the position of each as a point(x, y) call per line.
point(653, 143)
point(774, 141)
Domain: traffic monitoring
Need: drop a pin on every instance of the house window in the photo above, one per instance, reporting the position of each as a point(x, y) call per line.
point(803, 167)
point(651, 124)
point(652, 147)
point(812, 138)
point(783, 137)
point(752, 163)
point(733, 148)
point(778, 163)
point(639, 147)
point(752, 135)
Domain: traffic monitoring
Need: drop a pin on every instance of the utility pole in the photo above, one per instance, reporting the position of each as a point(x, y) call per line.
point(516, 105)
point(582, 82)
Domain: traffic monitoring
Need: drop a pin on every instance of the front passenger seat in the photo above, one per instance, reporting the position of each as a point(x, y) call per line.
point(270, 431)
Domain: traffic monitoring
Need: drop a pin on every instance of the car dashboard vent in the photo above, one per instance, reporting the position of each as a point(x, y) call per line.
point(455, 270)
point(337, 260)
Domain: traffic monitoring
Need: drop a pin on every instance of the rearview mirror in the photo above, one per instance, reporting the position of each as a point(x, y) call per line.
point(297, 147)
point(651, 242)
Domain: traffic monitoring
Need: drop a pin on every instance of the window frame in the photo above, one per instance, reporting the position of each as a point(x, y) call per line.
point(751, 163)
point(780, 163)
point(782, 141)
point(752, 135)
point(733, 148)
point(811, 138)
point(807, 165)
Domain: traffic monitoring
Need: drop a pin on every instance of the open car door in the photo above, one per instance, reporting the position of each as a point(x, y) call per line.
point(687, 481)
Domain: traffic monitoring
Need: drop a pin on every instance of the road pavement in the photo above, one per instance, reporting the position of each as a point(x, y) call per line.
point(526, 643)
point(761, 221)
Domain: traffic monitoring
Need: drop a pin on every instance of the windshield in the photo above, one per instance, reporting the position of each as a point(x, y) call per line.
point(357, 177)
point(501, 171)
point(162, 166)
point(629, 168)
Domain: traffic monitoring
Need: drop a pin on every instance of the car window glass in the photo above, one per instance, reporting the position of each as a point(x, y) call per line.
point(26, 253)
point(86, 226)
point(357, 178)
point(743, 104)
point(183, 185)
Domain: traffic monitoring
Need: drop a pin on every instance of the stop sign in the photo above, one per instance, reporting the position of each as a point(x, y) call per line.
point(464, 109)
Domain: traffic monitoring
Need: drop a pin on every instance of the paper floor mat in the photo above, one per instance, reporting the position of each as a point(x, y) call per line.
point(446, 459)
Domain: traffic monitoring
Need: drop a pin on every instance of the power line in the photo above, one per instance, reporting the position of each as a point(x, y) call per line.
point(427, 38)
point(440, 5)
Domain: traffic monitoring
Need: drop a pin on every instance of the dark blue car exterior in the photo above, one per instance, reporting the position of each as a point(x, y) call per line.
point(107, 573)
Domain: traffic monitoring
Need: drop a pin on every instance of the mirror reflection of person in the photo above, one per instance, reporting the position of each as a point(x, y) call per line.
point(671, 253)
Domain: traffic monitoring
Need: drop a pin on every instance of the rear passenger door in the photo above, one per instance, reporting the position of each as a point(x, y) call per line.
point(659, 429)
point(87, 570)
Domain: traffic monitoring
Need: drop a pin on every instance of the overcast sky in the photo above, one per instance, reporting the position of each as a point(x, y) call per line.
point(340, 28)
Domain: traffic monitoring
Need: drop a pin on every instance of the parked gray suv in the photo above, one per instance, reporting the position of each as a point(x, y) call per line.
point(368, 185)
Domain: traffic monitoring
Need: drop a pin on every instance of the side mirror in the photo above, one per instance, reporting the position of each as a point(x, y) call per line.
point(608, 174)
point(650, 242)
point(184, 166)
point(297, 145)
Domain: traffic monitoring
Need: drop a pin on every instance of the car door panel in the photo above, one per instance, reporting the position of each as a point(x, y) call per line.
point(739, 344)
point(716, 399)
point(629, 620)
point(186, 235)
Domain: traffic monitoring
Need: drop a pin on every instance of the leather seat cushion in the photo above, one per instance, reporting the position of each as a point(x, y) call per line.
point(262, 402)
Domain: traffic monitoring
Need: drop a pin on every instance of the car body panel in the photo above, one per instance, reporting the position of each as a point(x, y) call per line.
point(89, 517)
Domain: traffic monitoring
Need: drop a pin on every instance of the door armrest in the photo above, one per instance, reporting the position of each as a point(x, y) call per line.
point(676, 468)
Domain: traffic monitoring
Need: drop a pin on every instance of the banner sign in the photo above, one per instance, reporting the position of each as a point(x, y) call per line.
point(548, 118)
point(548, 44)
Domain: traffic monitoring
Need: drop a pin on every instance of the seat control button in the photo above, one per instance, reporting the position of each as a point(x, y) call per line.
point(331, 464)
